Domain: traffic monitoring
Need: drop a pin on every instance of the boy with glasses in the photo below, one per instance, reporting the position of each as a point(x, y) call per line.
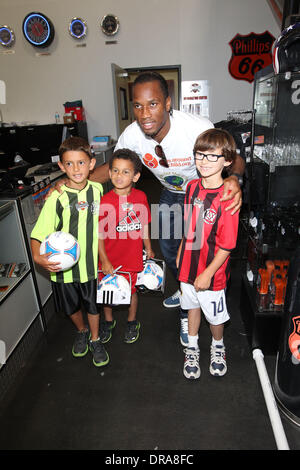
point(203, 256)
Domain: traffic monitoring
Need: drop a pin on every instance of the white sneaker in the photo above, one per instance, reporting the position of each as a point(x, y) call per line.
point(218, 364)
point(191, 367)
point(173, 301)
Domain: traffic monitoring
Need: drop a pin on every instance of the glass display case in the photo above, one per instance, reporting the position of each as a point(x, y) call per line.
point(276, 139)
point(19, 302)
point(274, 204)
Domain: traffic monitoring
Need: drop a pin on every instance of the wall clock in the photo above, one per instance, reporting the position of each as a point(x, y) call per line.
point(7, 37)
point(38, 30)
point(77, 28)
point(110, 24)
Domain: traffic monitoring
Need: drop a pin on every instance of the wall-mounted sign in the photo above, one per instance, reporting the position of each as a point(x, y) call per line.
point(194, 97)
point(250, 53)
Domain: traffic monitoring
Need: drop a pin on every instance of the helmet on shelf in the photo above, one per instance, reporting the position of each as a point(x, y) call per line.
point(286, 50)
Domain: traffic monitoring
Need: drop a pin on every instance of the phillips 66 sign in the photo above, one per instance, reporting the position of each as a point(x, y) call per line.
point(250, 53)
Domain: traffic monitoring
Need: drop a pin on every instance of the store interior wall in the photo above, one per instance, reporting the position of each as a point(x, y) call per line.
point(194, 34)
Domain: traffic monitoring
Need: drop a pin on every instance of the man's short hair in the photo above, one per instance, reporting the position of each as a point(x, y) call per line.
point(146, 77)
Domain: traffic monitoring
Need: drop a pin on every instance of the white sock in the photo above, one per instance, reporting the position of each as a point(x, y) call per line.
point(217, 342)
point(193, 341)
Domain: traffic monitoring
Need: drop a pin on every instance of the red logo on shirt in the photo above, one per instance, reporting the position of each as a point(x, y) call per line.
point(82, 205)
point(150, 161)
point(210, 216)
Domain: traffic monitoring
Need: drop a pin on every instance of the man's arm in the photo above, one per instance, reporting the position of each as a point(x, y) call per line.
point(100, 174)
point(238, 166)
point(232, 189)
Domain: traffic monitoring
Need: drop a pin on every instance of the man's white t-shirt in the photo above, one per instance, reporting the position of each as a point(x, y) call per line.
point(178, 147)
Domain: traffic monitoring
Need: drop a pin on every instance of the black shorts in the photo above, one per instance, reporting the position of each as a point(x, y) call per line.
point(69, 297)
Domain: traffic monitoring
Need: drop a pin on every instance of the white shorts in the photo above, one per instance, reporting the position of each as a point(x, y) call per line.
point(212, 303)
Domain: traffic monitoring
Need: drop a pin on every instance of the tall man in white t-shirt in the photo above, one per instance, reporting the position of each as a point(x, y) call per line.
point(164, 140)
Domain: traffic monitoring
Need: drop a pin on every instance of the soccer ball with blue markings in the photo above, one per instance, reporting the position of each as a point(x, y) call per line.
point(152, 275)
point(63, 249)
point(114, 289)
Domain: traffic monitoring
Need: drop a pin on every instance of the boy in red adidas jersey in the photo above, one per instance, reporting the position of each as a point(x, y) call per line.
point(123, 231)
point(203, 256)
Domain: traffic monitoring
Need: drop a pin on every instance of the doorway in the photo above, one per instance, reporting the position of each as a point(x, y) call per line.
point(123, 79)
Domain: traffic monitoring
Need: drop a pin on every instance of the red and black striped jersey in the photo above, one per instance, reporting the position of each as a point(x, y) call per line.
point(208, 227)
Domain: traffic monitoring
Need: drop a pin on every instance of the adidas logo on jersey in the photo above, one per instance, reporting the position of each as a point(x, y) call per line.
point(129, 223)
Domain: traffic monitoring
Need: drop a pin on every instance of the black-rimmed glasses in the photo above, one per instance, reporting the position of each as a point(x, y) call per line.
point(211, 157)
point(161, 155)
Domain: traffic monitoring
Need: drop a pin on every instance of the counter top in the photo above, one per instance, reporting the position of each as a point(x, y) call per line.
point(37, 178)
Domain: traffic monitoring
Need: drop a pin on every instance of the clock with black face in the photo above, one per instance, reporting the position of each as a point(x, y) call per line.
point(77, 28)
point(7, 37)
point(110, 25)
point(38, 30)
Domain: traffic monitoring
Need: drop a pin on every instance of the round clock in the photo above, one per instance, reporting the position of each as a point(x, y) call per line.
point(7, 37)
point(77, 28)
point(110, 24)
point(38, 30)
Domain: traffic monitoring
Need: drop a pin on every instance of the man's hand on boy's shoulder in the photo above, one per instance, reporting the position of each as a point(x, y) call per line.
point(232, 191)
point(56, 187)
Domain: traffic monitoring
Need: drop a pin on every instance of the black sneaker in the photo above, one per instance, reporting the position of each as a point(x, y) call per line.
point(100, 356)
point(132, 331)
point(80, 346)
point(105, 332)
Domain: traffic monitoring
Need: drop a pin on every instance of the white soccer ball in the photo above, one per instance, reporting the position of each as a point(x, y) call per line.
point(152, 275)
point(64, 249)
point(114, 289)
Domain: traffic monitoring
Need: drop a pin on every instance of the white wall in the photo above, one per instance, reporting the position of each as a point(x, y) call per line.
point(193, 33)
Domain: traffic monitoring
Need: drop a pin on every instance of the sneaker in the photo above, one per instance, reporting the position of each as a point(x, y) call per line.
point(184, 339)
point(132, 332)
point(217, 360)
point(173, 301)
point(191, 368)
point(100, 356)
point(80, 346)
point(105, 332)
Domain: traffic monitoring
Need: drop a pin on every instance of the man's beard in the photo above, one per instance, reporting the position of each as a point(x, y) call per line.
point(154, 134)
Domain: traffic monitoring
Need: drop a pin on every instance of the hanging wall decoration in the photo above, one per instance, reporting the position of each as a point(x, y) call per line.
point(250, 53)
point(38, 30)
point(110, 25)
point(77, 28)
point(7, 37)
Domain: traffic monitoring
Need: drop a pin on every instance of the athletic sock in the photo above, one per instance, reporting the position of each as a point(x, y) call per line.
point(219, 342)
point(193, 341)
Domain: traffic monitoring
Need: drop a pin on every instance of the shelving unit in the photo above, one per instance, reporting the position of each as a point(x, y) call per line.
point(274, 209)
point(19, 302)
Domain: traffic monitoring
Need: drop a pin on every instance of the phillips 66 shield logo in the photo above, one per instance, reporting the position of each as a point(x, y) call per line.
point(250, 53)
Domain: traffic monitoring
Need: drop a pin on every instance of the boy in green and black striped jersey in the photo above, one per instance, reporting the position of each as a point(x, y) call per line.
point(75, 211)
